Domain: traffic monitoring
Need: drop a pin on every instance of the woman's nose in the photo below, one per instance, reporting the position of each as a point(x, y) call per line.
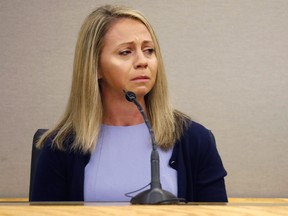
point(140, 60)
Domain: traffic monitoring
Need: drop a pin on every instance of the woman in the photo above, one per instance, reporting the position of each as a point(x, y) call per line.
point(100, 149)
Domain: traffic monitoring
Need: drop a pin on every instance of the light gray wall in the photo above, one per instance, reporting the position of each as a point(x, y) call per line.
point(227, 64)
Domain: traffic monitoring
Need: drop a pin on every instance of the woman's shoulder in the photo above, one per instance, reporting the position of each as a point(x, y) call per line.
point(188, 123)
point(197, 128)
point(196, 135)
point(190, 128)
point(194, 128)
point(51, 144)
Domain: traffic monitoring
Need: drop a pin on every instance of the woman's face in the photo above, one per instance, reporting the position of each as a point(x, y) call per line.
point(127, 61)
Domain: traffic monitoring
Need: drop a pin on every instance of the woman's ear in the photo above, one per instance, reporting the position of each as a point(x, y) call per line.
point(99, 74)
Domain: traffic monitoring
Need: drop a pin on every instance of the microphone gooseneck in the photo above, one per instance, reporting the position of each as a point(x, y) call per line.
point(131, 97)
point(154, 195)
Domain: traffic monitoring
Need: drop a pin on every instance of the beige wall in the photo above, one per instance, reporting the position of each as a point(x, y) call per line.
point(227, 63)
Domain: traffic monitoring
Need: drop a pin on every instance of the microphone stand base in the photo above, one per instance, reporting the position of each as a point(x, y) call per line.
point(154, 196)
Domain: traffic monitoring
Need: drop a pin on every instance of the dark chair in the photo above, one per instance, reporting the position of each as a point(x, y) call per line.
point(34, 158)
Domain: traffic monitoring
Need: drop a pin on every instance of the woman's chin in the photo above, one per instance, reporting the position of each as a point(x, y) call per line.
point(140, 91)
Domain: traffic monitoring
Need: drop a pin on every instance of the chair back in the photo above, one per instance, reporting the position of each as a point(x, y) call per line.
point(34, 158)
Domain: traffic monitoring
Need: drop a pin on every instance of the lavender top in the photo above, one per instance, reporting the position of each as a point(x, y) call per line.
point(121, 164)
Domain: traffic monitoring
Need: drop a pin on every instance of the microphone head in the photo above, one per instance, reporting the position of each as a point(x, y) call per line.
point(130, 96)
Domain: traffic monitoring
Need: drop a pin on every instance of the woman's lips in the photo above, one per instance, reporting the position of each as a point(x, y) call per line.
point(141, 79)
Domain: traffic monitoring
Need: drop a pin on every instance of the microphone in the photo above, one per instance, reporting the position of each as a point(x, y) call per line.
point(154, 195)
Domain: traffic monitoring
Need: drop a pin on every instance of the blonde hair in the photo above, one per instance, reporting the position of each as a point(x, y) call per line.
point(84, 112)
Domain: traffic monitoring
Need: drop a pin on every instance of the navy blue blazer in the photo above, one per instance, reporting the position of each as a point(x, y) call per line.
point(60, 174)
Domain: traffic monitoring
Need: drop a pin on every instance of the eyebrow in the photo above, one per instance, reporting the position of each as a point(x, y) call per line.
point(132, 42)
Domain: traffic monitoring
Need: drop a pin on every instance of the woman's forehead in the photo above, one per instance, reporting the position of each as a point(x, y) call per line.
point(126, 30)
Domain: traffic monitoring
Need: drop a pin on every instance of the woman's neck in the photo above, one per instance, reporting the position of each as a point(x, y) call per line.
point(120, 112)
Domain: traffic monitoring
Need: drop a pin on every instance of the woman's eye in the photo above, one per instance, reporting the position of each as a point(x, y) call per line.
point(149, 51)
point(124, 52)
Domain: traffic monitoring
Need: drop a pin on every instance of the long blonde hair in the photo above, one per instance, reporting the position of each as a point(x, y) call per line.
point(84, 112)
